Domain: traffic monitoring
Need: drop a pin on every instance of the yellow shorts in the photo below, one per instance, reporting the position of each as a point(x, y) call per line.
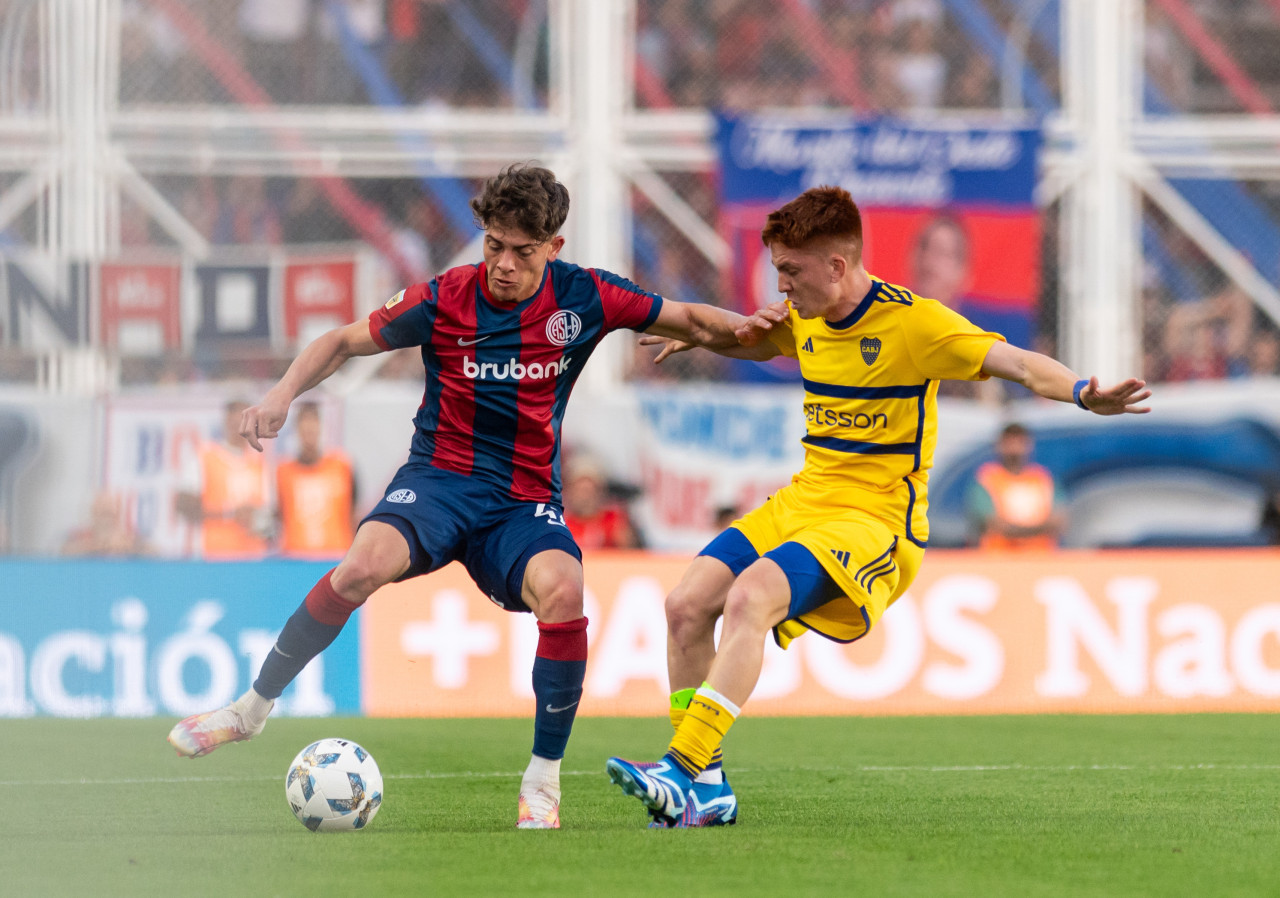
point(869, 563)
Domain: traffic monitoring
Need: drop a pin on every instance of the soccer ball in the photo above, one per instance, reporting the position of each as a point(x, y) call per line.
point(334, 785)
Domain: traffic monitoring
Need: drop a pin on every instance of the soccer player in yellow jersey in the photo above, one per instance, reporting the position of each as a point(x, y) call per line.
point(834, 548)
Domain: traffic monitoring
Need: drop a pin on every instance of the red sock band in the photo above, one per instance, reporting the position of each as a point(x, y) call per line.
point(326, 605)
point(563, 642)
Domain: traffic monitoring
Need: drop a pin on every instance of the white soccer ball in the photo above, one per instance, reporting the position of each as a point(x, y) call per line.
point(334, 785)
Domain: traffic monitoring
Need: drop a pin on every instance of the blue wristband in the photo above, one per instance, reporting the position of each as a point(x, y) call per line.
point(1075, 393)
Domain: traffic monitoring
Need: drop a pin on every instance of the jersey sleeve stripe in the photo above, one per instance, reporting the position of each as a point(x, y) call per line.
point(863, 448)
point(844, 391)
point(651, 317)
point(896, 294)
point(376, 334)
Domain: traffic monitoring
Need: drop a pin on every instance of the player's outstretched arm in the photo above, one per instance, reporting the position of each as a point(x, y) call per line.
point(321, 357)
point(754, 331)
point(1053, 380)
point(681, 326)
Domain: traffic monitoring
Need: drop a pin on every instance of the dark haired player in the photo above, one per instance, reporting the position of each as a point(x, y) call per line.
point(502, 342)
point(834, 548)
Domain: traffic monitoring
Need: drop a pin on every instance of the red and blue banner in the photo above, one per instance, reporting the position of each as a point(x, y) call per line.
point(948, 209)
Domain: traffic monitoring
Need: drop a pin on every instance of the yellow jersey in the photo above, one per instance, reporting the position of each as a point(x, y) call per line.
point(871, 400)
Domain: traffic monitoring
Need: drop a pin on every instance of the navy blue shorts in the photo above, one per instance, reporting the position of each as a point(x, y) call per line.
point(447, 517)
point(811, 586)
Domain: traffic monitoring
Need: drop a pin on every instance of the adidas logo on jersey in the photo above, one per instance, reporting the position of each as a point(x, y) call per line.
point(808, 345)
point(513, 369)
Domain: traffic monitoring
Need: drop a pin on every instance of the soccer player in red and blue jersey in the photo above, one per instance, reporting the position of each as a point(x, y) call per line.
point(503, 342)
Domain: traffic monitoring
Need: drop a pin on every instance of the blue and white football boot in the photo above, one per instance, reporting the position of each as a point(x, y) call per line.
point(707, 804)
point(660, 785)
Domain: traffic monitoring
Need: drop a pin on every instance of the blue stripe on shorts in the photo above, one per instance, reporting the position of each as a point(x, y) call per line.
point(811, 585)
point(734, 549)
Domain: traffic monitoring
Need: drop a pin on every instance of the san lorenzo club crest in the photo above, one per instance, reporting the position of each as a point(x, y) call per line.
point(563, 327)
point(870, 347)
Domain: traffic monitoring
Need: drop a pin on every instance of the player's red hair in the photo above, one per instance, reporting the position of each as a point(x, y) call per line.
point(820, 213)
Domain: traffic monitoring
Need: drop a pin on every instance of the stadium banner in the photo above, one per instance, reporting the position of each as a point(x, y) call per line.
point(978, 633)
point(141, 638)
point(949, 208)
point(140, 306)
point(148, 444)
point(701, 449)
point(153, 303)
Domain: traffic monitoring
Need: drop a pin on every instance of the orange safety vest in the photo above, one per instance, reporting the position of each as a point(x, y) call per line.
point(315, 507)
point(1024, 499)
point(231, 480)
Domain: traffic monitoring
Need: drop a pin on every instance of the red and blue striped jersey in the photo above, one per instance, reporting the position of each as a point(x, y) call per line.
point(498, 375)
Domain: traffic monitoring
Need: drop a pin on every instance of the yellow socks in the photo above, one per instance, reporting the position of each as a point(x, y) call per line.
point(700, 729)
point(679, 704)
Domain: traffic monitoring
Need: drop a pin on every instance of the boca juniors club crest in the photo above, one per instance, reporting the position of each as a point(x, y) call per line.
point(870, 347)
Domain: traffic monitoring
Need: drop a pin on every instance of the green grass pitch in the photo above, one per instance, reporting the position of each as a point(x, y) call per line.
point(1056, 805)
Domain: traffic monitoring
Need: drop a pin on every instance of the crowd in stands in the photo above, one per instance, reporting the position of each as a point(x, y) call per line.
point(872, 56)
point(886, 56)
point(333, 52)
point(1197, 323)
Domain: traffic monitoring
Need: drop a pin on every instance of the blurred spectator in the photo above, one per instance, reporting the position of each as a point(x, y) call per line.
point(135, 225)
point(107, 533)
point(1230, 313)
point(725, 515)
point(974, 87)
point(402, 364)
point(593, 517)
point(149, 46)
point(224, 490)
point(1269, 525)
point(248, 217)
point(360, 26)
point(884, 92)
point(905, 12)
point(1155, 311)
point(201, 206)
point(921, 70)
point(1170, 63)
point(274, 51)
point(1192, 346)
point(1013, 502)
point(669, 34)
point(743, 29)
point(308, 217)
point(410, 237)
point(172, 368)
point(315, 494)
point(1264, 353)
